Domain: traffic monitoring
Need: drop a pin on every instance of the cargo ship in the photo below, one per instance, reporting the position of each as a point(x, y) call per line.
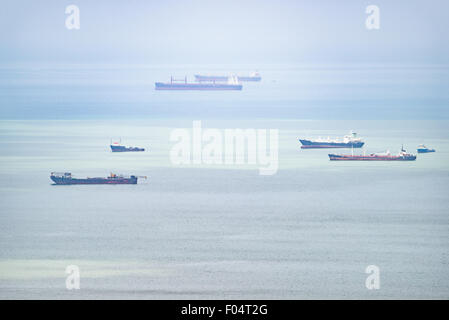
point(66, 178)
point(402, 156)
point(423, 149)
point(349, 141)
point(174, 84)
point(117, 147)
point(254, 76)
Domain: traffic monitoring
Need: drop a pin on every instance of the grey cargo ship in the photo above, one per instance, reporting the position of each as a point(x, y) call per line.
point(66, 178)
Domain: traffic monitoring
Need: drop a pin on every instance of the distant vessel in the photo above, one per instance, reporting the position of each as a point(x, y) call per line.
point(174, 85)
point(254, 76)
point(117, 147)
point(423, 149)
point(402, 156)
point(349, 141)
point(67, 179)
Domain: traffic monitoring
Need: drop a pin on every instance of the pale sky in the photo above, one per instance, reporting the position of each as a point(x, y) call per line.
point(225, 31)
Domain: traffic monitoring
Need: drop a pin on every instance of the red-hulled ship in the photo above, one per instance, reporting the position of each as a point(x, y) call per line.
point(402, 156)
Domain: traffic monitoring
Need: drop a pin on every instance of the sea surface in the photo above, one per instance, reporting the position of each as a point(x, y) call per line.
point(223, 231)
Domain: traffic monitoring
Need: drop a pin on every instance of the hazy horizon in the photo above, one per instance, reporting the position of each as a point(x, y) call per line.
point(225, 32)
point(318, 60)
point(298, 226)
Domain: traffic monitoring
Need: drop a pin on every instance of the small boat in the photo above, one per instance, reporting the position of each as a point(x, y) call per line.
point(423, 149)
point(402, 156)
point(117, 147)
point(66, 178)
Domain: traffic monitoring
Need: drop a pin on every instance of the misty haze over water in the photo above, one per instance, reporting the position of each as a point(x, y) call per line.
point(204, 232)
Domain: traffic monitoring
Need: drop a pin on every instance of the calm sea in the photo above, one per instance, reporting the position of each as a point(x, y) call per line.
point(214, 231)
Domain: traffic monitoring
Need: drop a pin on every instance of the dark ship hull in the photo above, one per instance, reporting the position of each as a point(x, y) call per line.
point(341, 157)
point(197, 86)
point(68, 180)
point(116, 148)
point(309, 144)
point(224, 78)
point(425, 150)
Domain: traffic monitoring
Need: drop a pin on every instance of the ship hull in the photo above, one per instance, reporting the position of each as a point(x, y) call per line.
point(197, 86)
point(71, 181)
point(308, 144)
point(337, 157)
point(125, 149)
point(426, 150)
point(224, 78)
point(249, 79)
